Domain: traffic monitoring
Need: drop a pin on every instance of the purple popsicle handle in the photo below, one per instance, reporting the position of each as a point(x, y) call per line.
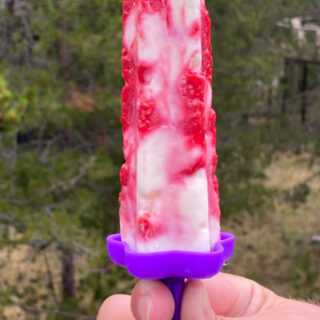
point(175, 286)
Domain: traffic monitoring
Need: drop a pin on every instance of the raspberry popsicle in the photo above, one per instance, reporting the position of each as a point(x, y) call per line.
point(169, 198)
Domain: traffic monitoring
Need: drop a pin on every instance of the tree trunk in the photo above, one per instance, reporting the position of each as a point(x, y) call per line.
point(10, 6)
point(285, 83)
point(303, 92)
point(63, 52)
point(269, 103)
point(67, 274)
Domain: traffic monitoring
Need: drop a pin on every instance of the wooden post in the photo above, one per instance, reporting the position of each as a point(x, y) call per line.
point(303, 92)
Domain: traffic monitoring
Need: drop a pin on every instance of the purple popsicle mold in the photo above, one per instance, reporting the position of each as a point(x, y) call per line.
point(171, 267)
point(161, 265)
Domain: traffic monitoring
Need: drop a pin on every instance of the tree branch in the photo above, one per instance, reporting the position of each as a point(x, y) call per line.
point(73, 181)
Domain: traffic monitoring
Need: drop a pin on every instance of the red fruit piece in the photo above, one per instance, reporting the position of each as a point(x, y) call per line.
point(128, 67)
point(146, 228)
point(192, 87)
point(126, 7)
point(206, 43)
point(194, 122)
point(152, 5)
point(128, 96)
point(124, 174)
point(207, 64)
point(148, 119)
point(144, 73)
point(205, 29)
point(193, 92)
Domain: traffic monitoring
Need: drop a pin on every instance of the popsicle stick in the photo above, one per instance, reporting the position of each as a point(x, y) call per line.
point(176, 286)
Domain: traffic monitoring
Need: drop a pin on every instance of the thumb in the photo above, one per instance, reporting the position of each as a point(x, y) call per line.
point(196, 305)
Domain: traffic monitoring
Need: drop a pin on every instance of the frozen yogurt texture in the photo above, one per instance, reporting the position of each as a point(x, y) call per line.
point(169, 198)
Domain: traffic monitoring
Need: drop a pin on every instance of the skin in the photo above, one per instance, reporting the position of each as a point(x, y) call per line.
point(224, 297)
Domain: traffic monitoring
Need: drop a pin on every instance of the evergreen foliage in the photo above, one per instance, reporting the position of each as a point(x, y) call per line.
point(60, 137)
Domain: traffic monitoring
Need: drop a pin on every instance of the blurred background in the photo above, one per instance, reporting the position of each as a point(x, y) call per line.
point(61, 149)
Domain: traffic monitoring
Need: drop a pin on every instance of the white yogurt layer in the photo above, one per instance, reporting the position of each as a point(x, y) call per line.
point(151, 37)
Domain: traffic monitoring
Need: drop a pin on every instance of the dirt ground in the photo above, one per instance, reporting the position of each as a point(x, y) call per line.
point(277, 250)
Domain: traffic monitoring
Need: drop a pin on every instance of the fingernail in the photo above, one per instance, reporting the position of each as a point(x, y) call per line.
point(145, 300)
point(144, 307)
point(146, 286)
point(207, 312)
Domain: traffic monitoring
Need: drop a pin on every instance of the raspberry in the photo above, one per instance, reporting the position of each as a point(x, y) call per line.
point(148, 119)
point(128, 67)
point(124, 174)
point(144, 72)
point(206, 43)
point(128, 96)
point(152, 5)
point(146, 228)
point(192, 87)
point(194, 122)
point(205, 29)
point(207, 64)
point(126, 7)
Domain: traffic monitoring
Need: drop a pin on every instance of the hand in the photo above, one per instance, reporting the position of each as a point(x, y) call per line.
point(224, 297)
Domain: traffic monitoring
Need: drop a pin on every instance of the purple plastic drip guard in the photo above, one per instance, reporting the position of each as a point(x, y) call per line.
point(171, 267)
point(162, 265)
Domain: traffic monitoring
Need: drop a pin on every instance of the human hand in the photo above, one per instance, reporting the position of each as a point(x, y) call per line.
point(224, 297)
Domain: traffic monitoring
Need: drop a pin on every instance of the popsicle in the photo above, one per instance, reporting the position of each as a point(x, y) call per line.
point(169, 197)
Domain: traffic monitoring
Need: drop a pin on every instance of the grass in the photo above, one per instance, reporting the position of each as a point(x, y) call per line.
point(276, 250)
